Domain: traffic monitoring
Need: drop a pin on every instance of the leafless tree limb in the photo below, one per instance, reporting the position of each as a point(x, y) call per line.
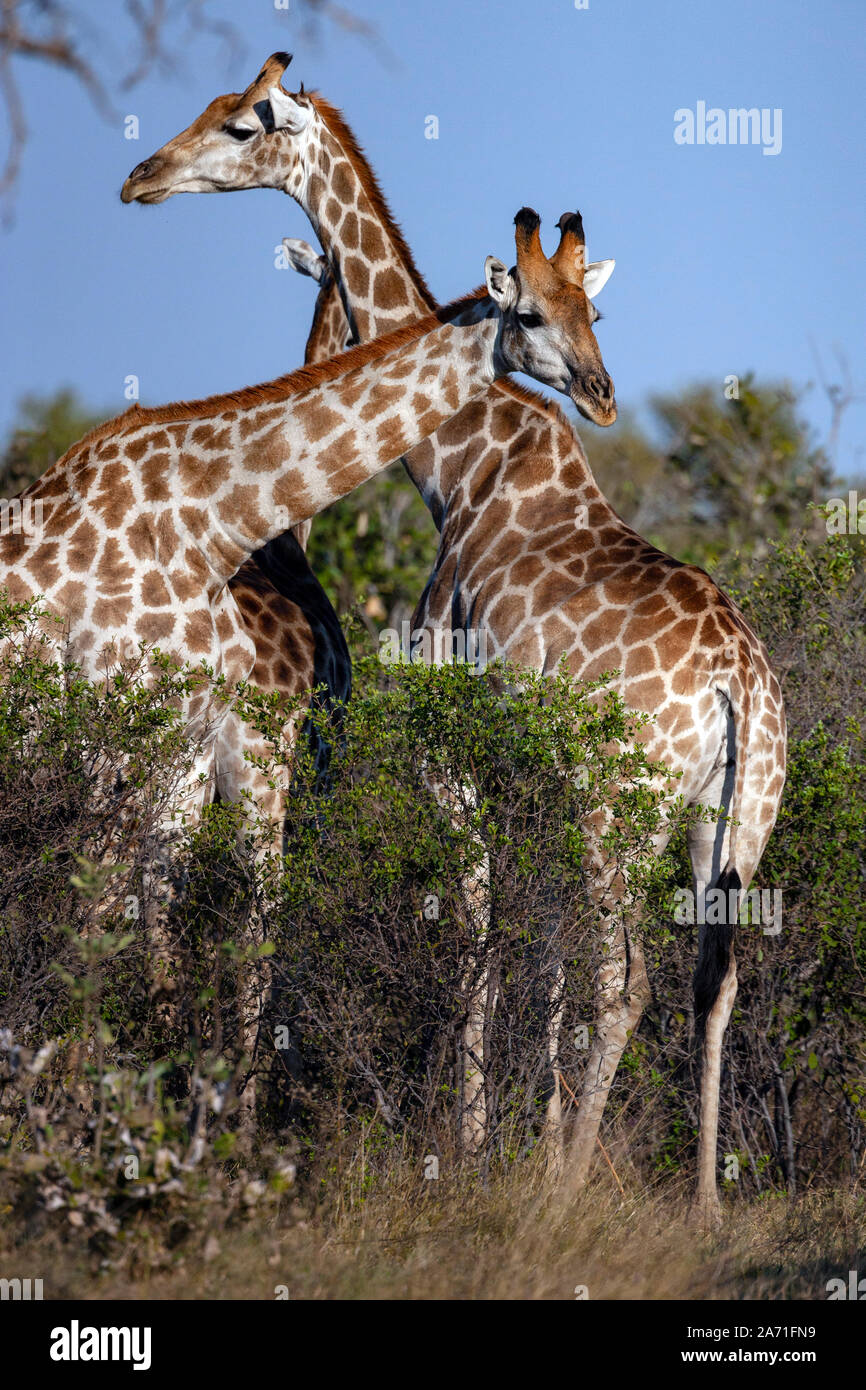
point(841, 394)
point(55, 32)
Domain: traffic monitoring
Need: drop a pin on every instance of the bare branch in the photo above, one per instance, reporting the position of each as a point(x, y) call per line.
point(841, 394)
point(52, 31)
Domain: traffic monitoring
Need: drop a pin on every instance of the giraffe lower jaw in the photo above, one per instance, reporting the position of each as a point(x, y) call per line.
point(130, 194)
point(592, 411)
point(147, 195)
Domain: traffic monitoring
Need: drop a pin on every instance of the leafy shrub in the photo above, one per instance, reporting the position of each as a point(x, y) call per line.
point(379, 944)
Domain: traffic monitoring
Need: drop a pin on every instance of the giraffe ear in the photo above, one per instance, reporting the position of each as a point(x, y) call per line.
point(305, 260)
point(288, 114)
point(501, 284)
point(596, 277)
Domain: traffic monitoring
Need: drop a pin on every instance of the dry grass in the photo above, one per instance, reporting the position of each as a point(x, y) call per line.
point(453, 1238)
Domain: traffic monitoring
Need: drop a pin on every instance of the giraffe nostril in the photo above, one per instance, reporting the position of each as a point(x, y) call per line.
point(601, 387)
point(142, 170)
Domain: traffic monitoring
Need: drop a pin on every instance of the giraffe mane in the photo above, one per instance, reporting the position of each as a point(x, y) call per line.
point(340, 128)
point(281, 388)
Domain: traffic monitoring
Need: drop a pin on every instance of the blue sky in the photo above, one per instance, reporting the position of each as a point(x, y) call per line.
point(728, 260)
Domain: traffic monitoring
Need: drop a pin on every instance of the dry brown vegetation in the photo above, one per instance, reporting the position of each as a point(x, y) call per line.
point(408, 1238)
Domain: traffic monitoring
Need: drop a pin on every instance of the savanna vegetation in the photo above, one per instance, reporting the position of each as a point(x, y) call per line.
point(123, 1165)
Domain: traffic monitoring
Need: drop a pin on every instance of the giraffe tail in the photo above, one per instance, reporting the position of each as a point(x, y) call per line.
point(716, 937)
point(714, 948)
point(741, 702)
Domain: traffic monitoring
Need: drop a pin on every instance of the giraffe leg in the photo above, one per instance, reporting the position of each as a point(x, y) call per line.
point(552, 1137)
point(164, 956)
point(479, 1010)
point(239, 780)
point(160, 889)
point(253, 993)
point(622, 993)
point(706, 1209)
point(708, 848)
point(716, 972)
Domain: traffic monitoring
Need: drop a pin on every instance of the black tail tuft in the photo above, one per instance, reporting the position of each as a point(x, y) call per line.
point(714, 951)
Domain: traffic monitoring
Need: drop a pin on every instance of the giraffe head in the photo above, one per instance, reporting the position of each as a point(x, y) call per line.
point(548, 314)
point(231, 146)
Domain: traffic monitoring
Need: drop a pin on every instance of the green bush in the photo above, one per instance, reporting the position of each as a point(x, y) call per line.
point(379, 945)
point(366, 934)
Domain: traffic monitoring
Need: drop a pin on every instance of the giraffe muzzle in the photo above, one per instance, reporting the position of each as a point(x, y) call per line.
point(594, 397)
point(136, 188)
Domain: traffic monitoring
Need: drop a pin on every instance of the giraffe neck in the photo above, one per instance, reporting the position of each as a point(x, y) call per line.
point(378, 287)
point(375, 287)
point(330, 333)
point(238, 470)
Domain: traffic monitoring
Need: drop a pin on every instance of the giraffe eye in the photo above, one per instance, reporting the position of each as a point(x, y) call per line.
point(238, 132)
point(529, 320)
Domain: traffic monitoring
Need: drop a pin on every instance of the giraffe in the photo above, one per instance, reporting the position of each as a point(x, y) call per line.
point(532, 555)
point(330, 333)
point(299, 647)
point(299, 644)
